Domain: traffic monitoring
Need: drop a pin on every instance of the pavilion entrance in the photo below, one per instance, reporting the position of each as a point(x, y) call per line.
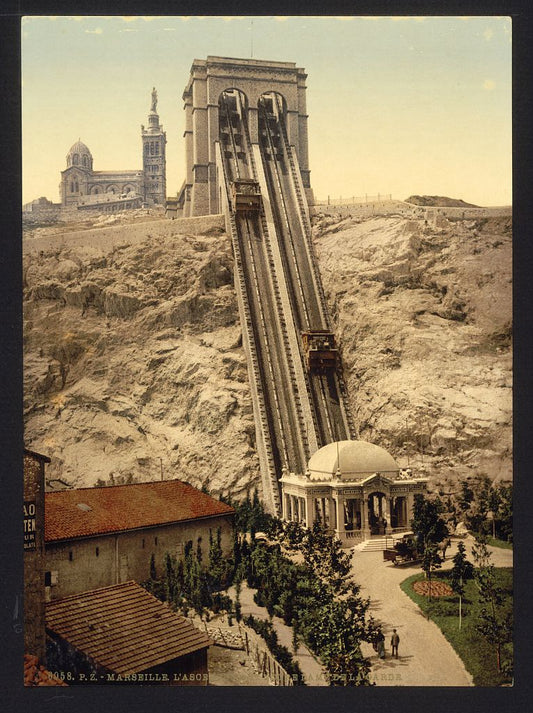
point(398, 516)
point(377, 512)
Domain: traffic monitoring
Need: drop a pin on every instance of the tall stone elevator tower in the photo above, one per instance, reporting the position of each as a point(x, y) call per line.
point(253, 78)
point(154, 141)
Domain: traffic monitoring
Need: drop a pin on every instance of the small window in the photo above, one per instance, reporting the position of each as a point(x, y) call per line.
point(143, 543)
point(97, 551)
point(48, 579)
point(70, 556)
point(155, 540)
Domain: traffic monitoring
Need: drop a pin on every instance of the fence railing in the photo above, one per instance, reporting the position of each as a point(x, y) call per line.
point(245, 639)
point(351, 200)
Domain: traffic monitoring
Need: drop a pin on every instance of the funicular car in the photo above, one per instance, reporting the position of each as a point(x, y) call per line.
point(245, 196)
point(320, 350)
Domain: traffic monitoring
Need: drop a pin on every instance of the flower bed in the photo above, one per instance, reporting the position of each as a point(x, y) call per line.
point(438, 589)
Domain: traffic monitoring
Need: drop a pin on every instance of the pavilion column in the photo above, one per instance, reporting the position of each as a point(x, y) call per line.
point(364, 515)
point(410, 506)
point(340, 516)
point(302, 511)
point(332, 513)
point(387, 512)
point(309, 511)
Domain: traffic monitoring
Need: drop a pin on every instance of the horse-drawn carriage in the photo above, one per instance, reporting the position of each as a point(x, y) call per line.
point(404, 551)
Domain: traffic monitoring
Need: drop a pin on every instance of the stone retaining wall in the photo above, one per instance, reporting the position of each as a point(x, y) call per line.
point(108, 237)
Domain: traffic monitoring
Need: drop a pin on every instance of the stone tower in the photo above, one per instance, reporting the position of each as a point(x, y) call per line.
point(253, 78)
point(154, 141)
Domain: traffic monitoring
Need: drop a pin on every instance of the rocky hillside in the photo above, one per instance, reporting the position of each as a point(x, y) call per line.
point(423, 314)
point(134, 363)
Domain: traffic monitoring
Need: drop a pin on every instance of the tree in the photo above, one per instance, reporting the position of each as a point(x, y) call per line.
point(495, 625)
point(429, 529)
point(462, 571)
point(217, 563)
point(324, 555)
point(431, 560)
point(199, 553)
point(504, 512)
point(465, 496)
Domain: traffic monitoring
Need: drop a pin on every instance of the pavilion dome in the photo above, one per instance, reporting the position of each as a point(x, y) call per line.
point(354, 460)
point(79, 155)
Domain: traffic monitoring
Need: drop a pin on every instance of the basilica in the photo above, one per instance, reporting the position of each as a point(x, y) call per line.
point(83, 187)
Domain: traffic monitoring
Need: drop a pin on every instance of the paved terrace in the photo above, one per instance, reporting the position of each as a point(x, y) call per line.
point(425, 656)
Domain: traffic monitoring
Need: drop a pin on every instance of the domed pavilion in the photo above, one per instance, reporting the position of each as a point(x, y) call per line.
point(356, 488)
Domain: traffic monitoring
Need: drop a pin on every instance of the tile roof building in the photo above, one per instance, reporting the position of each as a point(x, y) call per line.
point(35, 674)
point(123, 634)
point(96, 537)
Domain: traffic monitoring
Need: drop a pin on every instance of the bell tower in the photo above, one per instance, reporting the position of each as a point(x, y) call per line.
point(154, 141)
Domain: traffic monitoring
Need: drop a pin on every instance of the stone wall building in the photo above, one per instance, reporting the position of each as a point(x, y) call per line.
point(252, 78)
point(81, 185)
point(356, 488)
point(96, 537)
point(34, 553)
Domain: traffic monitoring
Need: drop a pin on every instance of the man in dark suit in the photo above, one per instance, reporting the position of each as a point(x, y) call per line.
point(395, 640)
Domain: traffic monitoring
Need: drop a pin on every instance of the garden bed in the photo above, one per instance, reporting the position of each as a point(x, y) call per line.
point(435, 588)
point(477, 654)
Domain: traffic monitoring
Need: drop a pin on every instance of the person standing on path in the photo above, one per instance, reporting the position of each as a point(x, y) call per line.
point(395, 640)
point(380, 641)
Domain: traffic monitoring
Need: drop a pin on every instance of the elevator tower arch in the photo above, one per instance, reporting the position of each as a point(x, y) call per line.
point(211, 77)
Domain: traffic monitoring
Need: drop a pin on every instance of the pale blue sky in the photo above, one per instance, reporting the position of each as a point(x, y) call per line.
point(396, 105)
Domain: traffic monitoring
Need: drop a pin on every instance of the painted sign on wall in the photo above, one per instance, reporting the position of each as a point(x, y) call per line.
point(29, 524)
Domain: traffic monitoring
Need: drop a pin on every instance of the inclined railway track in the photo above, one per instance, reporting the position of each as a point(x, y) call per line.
point(278, 296)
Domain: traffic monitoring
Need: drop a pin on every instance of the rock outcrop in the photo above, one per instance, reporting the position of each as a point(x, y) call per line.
point(134, 364)
point(423, 316)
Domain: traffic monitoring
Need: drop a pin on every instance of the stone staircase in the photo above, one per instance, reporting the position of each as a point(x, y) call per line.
point(379, 543)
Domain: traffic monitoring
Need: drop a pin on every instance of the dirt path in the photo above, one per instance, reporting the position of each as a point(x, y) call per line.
point(311, 669)
point(425, 656)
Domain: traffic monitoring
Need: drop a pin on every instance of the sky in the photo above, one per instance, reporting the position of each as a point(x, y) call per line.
point(397, 105)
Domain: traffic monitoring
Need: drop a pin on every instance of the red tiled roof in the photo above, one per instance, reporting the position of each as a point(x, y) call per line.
point(125, 507)
point(36, 675)
point(123, 628)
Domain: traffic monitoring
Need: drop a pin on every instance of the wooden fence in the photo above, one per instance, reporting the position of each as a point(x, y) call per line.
point(245, 639)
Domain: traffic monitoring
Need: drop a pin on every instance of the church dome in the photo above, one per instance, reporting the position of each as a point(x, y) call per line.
point(354, 460)
point(79, 155)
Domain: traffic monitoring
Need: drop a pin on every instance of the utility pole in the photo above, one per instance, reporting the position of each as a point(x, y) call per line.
point(161, 465)
point(251, 38)
point(406, 448)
